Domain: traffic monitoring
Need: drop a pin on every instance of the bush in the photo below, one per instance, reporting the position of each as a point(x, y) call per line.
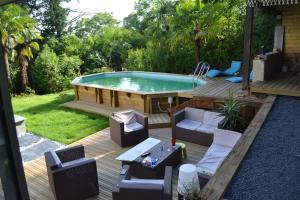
point(99, 70)
point(138, 60)
point(69, 68)
point(45, 74)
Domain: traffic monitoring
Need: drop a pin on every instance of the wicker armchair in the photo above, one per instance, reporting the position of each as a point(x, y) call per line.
point(145, 189)
point(71, 175)
point(125, 134)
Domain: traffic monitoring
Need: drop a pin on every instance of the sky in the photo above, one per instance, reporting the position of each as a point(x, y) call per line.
point(119, 8)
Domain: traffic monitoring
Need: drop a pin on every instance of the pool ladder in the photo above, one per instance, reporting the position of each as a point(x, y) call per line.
point(200, 72)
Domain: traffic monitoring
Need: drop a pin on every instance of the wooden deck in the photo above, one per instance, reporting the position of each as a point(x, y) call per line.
point(215, 87)
point(286, 84)
point(100, 147)
point(161, 120)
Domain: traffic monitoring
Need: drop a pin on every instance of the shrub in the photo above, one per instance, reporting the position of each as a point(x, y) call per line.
point(69, 68)
point(45, 74)
point(231, 110)
point(99, 70)
point(138, 60)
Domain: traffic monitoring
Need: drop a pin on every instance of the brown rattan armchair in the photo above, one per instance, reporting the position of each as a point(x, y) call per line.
point(145, 189)
point(126, 134)
point(71, 175)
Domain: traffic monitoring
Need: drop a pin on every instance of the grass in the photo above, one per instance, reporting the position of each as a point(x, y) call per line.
point(45, 117)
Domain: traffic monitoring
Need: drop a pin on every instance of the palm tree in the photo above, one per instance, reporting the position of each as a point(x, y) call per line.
point(18, 31)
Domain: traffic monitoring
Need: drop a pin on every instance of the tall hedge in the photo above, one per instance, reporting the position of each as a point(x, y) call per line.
point(45, 73)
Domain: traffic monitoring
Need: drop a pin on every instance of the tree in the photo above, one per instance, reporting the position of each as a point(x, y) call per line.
point(18, 31)
point(51, 16)
point(45, 72)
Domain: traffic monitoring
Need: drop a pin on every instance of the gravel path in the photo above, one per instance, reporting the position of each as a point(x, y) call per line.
point(271, 169)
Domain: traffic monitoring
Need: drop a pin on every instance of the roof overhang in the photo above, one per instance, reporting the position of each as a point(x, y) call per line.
point(260, 3)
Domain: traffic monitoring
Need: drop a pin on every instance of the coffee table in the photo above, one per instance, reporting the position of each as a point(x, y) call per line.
point(166, 155)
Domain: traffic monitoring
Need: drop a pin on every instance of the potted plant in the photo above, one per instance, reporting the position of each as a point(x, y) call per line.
point(230, 109)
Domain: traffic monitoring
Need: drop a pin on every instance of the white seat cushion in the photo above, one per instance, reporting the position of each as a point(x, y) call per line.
point(213, 159)
point(194, 114)
point(226, 137)
point(212, 118)
point(205, 128)
point(141, 181)
point(188, 124)
point(128, 116)
point(133, 127)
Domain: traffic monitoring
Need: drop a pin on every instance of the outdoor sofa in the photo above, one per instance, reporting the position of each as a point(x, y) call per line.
point(128, 127)
point(128, 188)
point(223, 143)
point(71, 175)
point(195, 125)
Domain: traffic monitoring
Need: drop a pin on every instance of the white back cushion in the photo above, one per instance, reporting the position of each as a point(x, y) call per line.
point(194, 114)
point(128, 116)
point(212, 118)
point(226, 137)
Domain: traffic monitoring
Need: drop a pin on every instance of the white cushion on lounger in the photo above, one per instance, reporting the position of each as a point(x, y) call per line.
point(212, 118)
point(128, 116)
point(133, 127)
point(205, 128)
point(194, 114)
point(223, 143)
point(226, 137)
point(212, 159)
point(188, 124)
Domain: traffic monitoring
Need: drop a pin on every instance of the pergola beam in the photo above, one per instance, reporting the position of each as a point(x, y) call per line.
point(247, 46)
point(259, 3)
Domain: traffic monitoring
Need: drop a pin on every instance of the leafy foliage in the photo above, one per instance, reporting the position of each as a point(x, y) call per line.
point(68, 69)
point(45, 72)
point(231, 110)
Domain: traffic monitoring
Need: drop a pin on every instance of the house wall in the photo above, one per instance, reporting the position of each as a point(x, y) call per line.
point(291, 22)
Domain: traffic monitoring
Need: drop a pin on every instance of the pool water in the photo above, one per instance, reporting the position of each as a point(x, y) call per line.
point(141, 81)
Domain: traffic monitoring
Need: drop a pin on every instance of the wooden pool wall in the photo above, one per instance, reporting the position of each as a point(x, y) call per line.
point(146, 103)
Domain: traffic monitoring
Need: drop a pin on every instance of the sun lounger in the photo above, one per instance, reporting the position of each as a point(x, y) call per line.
point(234, 68)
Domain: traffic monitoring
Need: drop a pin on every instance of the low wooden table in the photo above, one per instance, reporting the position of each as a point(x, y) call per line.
point(166, 155)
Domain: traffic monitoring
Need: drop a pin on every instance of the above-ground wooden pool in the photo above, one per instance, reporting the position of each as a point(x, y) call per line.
point(147, 92)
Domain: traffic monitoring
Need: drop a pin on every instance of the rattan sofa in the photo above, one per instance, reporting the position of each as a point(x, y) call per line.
point(143, 189)
point(71, 175)
point(195, 125)
point(131, 133)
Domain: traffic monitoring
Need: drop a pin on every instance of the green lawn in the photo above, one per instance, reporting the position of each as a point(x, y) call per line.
point(47, 118)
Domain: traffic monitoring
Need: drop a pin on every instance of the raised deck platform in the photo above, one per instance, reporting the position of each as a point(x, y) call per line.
point(161, 120)
point(100, 147)
point(284, 84)
point(215, 87)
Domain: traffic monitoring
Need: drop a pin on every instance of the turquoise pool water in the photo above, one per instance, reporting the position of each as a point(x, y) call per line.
point(140, 81)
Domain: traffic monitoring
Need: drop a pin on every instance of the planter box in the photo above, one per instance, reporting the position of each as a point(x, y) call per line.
point(20, 125)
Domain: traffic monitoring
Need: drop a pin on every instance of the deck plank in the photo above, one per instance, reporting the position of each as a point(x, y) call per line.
point(286, 84)
point(100, 147)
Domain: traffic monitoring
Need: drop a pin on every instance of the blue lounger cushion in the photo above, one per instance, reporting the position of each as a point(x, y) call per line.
point(213, 73)
point(239, 79)
point(235, 79)
point(235, 67)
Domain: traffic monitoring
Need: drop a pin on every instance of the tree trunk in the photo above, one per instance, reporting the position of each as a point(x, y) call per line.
point(23, 64)
point(197, 44)
point(6, 62)
point(196, 33)
point(197, 50)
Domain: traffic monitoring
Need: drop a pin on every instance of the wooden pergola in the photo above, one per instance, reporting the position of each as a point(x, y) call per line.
point(251, 4)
